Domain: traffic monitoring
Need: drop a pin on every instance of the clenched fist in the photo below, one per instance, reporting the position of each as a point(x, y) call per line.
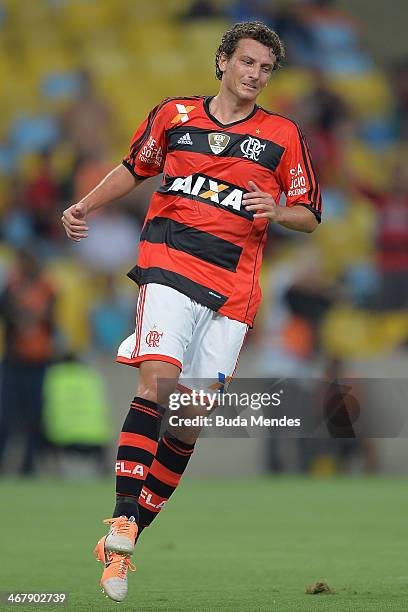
point(74, 221)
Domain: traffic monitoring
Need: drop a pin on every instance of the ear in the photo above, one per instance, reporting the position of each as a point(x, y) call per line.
point(222, 62)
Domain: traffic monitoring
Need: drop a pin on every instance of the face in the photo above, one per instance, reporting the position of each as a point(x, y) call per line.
point(248, 70)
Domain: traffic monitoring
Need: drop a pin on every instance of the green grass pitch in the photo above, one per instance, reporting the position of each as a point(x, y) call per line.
point(236, 544)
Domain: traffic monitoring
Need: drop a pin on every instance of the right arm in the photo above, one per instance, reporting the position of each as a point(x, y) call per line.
point(118, 183)
point(146, 159)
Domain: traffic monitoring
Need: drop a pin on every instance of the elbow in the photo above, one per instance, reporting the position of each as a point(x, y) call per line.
point(310, 218)
point(312, 226)
point(313, 221)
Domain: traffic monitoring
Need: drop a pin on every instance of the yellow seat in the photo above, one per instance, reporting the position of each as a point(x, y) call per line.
point(347, 240)
point(74, 295)
point(368, 166)
point(368, 94)
point(351, 333)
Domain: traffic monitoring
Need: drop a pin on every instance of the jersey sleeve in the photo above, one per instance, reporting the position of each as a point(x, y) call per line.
point(148, 146)
point(296, 175)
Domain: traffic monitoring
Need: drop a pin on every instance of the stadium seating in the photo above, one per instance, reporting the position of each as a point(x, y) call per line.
point(138, 53)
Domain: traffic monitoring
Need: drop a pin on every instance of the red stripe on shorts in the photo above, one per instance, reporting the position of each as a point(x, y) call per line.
point(139, 320)
point(136, 361)
point(141, 317)
point(139, 301)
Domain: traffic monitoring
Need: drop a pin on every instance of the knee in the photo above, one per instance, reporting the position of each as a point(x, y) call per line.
point(155, 390)
point(157, 381)
point(147, 389)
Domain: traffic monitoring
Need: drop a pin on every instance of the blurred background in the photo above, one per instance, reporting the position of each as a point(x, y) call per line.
point(78, 77)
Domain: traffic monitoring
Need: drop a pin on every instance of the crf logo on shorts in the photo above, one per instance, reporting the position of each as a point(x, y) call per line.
point(153, 338)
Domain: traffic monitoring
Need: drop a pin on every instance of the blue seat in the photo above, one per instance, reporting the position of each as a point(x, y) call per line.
point(60, 85)
point(34, 133)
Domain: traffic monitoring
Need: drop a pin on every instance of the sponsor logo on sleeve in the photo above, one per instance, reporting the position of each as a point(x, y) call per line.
point(151, 153)
point(182, 113)
point(298, 181)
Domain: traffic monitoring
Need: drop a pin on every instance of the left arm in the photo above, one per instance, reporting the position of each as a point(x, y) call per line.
point(298, 218)
point(297, 179)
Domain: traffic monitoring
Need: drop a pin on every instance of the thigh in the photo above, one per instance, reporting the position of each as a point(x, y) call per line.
point(209, 365)
point(164, 327)
point(213, 353)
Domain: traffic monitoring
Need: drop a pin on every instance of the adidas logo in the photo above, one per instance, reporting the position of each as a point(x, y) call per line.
point(185, 140)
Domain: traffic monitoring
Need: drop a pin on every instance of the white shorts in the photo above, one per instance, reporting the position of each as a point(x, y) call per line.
point(172, 327)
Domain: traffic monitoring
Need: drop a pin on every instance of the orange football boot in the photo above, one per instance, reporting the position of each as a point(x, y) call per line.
point(114, 580)
point(122, 535)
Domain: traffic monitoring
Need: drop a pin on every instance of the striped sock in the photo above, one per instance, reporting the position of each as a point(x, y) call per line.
point(164, 475)
point(137, 448)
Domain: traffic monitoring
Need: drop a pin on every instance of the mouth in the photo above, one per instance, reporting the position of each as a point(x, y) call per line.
point(249, 86)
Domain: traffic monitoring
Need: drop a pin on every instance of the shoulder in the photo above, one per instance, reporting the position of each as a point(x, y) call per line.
point(181, 99)
point(280, 121)
point(168, 105)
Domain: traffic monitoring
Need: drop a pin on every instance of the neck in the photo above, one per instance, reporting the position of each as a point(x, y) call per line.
point(227, 108)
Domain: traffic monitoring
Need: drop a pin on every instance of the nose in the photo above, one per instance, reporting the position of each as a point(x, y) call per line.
point(254, 72)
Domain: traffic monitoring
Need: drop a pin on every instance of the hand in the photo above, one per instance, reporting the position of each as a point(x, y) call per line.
point(258, 200)
point(74, 221)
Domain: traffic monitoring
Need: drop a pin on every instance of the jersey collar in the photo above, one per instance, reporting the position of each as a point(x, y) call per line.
point(226, 125)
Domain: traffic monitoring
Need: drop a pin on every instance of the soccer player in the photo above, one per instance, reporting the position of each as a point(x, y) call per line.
point(225, 163)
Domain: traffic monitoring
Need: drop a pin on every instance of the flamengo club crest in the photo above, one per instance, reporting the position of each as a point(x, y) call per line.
point(153, 338)
point(252, 148)
point(218, 142)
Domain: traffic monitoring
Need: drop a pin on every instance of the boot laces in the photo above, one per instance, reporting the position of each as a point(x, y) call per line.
point(125, 564)
point(120, 525)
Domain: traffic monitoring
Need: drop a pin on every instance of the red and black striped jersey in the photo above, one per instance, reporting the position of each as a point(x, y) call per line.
point(198, 237)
